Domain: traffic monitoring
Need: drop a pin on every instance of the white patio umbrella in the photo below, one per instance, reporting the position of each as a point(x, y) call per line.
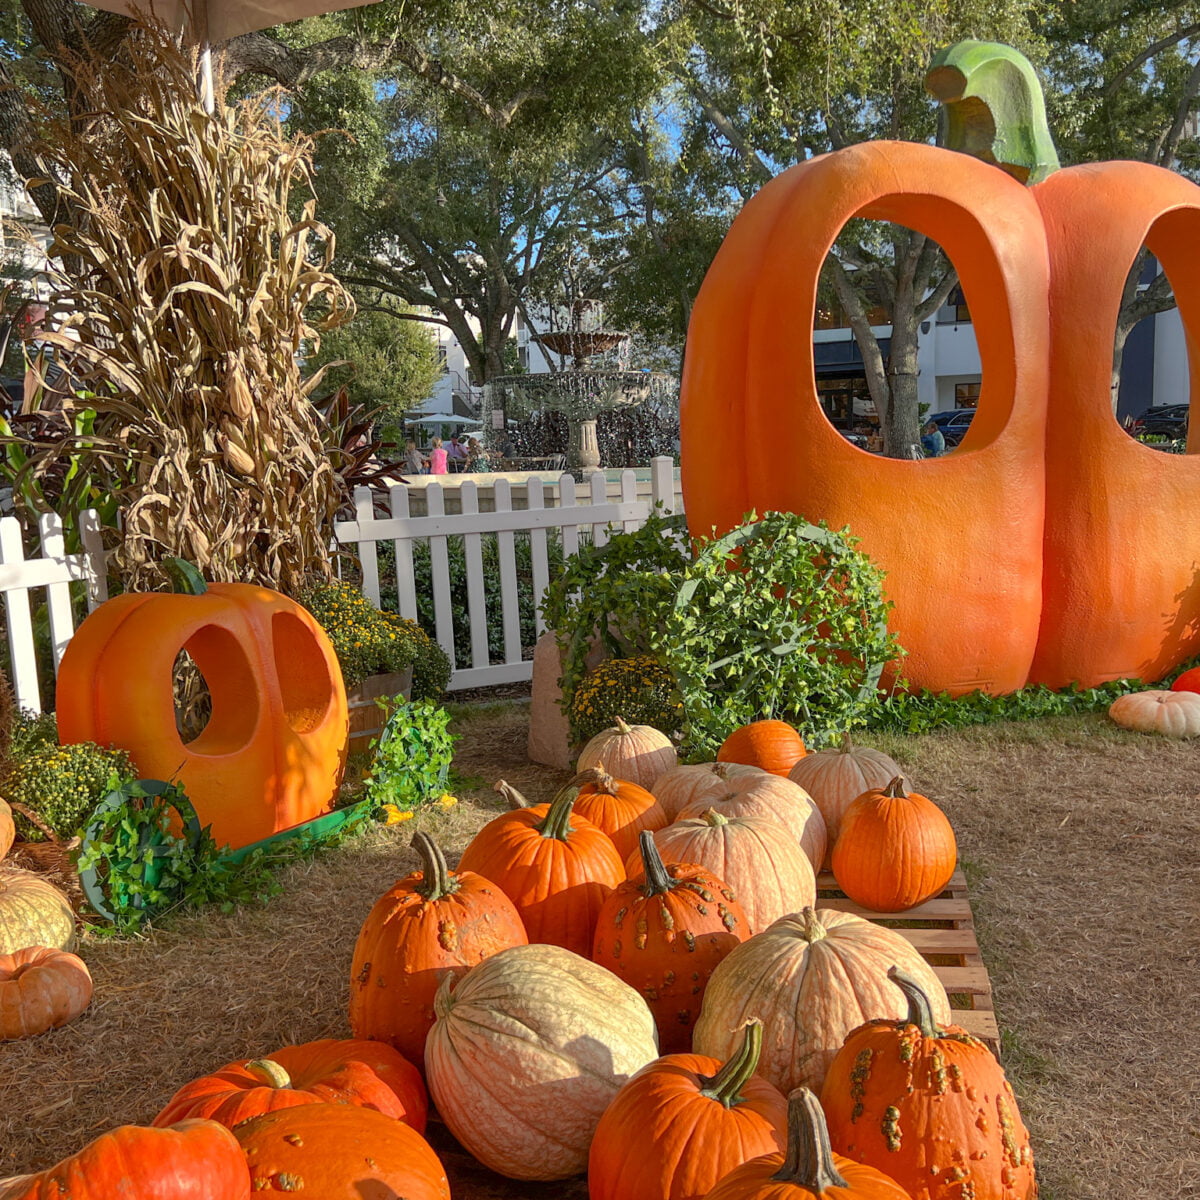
point(209, 22)
point(444, 419)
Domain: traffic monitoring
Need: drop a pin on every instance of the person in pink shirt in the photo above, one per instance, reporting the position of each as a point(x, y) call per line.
point(437, 458)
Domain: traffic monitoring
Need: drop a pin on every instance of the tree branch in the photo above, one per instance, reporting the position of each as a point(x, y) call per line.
point(1146, 55)
point(1168, 145)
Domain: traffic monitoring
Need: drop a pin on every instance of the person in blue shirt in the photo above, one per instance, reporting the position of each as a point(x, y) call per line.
point(933, 442)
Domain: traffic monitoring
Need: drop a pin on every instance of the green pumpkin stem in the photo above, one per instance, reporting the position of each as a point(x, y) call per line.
point(726, 1085)
point(438, 881)
point(895, 789)
point(184, 578)
point(920, 1011)
point(713, 818)
point(557, 822)
point(995, 110)
point(808, 1162)
point(658, 878)
point(270, 1072)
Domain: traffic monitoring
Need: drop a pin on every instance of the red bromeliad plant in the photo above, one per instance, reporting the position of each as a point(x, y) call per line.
point(929, 1105)
point(431, 923)
point(554, 865)
point(359, 1072)
point(702, 1118)
point(663, 932)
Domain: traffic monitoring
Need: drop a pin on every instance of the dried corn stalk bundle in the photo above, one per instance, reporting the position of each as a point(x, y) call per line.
point(188, 279)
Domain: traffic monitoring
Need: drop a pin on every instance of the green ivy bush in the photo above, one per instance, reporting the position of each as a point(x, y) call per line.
point(412, 756)
point(63, 784)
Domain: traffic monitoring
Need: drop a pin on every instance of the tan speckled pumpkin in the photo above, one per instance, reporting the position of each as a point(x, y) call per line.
point(639, 753)
point(810, 978)
point(41, 989)
point(680, 786)
point(33, 912)
point(7, 829)
point(768, 795)
point(756, 856)
point(528, 1050)
point(836, 778)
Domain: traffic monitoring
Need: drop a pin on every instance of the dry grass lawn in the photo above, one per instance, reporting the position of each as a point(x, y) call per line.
point(1081, 843)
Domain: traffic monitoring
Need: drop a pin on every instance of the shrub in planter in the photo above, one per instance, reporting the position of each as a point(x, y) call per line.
point(412, 758)
point(63, 784)
point(639, 689)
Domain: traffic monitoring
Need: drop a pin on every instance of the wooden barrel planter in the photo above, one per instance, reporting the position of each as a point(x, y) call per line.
point(366, 717)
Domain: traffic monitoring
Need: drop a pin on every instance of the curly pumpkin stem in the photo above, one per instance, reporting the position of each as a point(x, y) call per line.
point(597, 776)
point(557, 822)
point(726, 1085)
point(920, 1011)
point(437, 881)
point(809, 1159)
point(510, 793)
point(895, 789)
point(270, 1072)
point(995, 110)
point(658, 878)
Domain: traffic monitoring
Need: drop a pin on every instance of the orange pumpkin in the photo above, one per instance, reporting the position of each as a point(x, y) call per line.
point(556, 867)
point(836, 778)
point(350, 1071)
point(809, 1169)
point(930, 1106)
point(339, 1152)
point(766, 795)
point(773, 746)
point(8, 831)
point(622, 809)
point(896, 849)
point(270, 756)
point(682, 1123)
point(41, 988)
point(427, 925)
point(663, 931)
point(756, 856)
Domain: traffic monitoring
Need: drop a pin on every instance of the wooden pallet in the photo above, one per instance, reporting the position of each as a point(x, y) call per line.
point(943, 931)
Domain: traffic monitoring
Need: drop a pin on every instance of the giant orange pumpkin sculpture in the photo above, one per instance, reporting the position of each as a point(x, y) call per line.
point(1066, 551)
point(271, 754)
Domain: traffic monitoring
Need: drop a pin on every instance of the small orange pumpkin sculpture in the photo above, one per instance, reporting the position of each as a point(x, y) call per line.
point(339, 1152)
point(663, 932)
point(555, 866)
point(621, 808)
point(809, 1169)
point(429, 924)
point(271, 754)
point(330, 1071)
point(773, 746)
point(930, 1106)
point(41, 988)
point(699, 1117)
point(896, 849)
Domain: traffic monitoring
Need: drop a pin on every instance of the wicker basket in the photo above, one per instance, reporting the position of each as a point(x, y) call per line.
point(54, 858)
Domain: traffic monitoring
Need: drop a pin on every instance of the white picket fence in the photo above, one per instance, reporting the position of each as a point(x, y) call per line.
point(548, 506)
point(54, 570)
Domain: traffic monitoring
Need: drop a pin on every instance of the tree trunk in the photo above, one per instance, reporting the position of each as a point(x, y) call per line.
point(901, 424)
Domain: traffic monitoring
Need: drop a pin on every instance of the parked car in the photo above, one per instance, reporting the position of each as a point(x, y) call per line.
point(1164, 420)
point(953, 423)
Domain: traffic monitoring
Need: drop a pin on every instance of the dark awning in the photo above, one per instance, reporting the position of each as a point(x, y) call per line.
point(842, 359)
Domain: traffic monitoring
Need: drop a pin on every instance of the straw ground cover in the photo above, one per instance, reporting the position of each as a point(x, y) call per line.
point(1081, 842)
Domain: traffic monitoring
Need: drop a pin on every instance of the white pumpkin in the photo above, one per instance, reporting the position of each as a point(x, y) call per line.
point(527, 1051)
point(836, 778)
point(33, 912)
point(681, 786)
point(810, 978)
point(768, 795)
point(638, 753)
point(1172, 714)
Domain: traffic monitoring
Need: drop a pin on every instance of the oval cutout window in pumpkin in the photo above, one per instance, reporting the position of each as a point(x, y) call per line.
point(271, 754)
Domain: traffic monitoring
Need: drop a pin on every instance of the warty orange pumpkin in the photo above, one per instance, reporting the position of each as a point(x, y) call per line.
point(663, 931)
point(929, 1105)
point(331, 1071)
point(554, 865)
point(896, 849)
point(529, 1049)
point(756, 856)
point(810, 978)
point(432, 923)
point(40, 989)
point(809, 1169)
point(683, 1122)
